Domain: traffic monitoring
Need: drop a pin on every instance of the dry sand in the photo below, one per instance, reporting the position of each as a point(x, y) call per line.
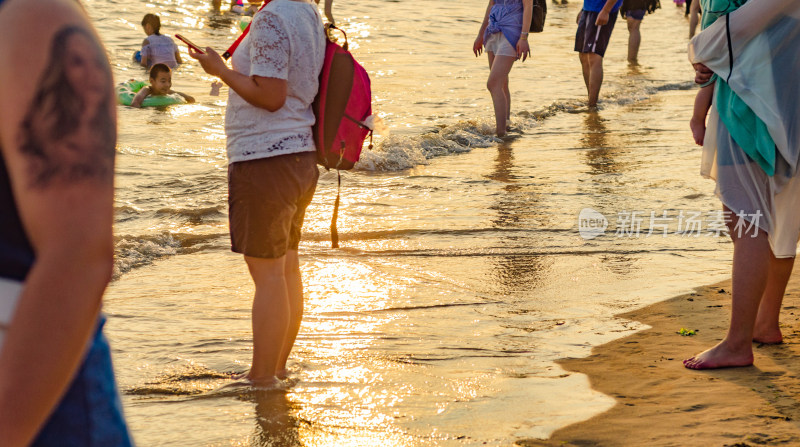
point(660, 403)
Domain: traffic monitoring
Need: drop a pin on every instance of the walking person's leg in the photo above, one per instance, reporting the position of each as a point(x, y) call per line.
point(634, 38)
point(595, 63)
point(584, 58)
point(498, 88)
point(582, 48)
point(508, 104)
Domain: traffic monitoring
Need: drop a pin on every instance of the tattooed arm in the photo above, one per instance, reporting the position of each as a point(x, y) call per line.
point(58, 143)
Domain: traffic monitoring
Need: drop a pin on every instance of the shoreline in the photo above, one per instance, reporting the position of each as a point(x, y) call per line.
point(661, 403)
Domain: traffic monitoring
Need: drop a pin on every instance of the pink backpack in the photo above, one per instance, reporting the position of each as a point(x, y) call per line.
point(342, 105)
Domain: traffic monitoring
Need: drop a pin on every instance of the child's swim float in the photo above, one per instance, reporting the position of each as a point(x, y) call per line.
point(137, 56)
point(127, 90)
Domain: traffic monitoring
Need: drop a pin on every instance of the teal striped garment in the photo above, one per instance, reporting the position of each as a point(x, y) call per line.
point(745, 127)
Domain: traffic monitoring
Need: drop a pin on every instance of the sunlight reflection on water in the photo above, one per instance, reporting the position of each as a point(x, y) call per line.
point(461, 275)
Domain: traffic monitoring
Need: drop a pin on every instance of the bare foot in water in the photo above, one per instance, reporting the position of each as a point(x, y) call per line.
point(720, 356)
point(266, 382)
point(508, 137)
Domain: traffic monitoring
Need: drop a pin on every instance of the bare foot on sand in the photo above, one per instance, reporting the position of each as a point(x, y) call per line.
point(698, 130)
point(768, 336)
point(721, 356)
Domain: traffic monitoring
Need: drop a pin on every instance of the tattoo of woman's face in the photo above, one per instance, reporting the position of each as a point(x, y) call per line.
point(69, 132)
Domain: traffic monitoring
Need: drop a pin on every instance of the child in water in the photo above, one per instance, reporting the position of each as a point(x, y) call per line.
point(158, 48)
point(160, 85)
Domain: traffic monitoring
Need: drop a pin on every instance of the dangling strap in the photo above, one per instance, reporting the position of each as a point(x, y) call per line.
point(227, 55)
point(334, 232)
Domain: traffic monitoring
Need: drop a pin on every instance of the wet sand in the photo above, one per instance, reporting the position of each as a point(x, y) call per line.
point(660, 403)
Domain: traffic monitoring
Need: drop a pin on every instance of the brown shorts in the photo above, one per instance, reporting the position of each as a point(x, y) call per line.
point(267, 200)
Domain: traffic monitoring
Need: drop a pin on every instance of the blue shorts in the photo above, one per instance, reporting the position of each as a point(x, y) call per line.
point(637, 14)
point(591, 38)
point(90, 414)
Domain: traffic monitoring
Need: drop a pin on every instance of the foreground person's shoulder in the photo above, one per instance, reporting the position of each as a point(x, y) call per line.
point(24, 18)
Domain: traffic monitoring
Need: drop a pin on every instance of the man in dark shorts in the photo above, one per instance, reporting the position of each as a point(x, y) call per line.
point(595, 24)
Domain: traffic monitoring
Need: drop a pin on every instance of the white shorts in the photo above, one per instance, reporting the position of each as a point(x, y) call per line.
point(499, 45)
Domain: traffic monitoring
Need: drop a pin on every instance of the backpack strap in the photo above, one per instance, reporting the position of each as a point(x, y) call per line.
point(330, 26)
point(227, 54)
point(334, 231)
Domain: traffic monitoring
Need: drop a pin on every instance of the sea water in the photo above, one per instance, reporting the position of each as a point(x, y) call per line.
point(464, 271)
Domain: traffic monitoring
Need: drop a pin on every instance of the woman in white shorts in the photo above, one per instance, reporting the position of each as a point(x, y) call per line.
point(504, 35)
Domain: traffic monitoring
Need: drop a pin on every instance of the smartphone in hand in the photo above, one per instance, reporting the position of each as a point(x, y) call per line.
point(191, 45)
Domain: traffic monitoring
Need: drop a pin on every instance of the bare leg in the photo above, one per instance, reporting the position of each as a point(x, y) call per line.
point(294, 284)
point(767, 329)
point(270, 317)
point(751, 265)
point(507, 92)
point(594, 62)
point(634, 39)
point(694, 17)
point(497, 85)
point(584, 58)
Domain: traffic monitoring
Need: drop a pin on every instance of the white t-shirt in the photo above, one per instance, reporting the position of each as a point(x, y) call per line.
point(286, 41)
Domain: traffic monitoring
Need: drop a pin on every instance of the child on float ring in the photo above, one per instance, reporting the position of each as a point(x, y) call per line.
point(160, 85)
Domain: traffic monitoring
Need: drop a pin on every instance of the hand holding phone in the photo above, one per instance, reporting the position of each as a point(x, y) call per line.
point(191, 45)
point(210, 60)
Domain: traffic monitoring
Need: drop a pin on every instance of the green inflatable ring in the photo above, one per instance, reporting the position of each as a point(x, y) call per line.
point(127, 90)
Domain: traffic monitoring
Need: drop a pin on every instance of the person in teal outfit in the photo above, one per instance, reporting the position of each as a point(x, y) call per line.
point(752, 150)
point(746, 128)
